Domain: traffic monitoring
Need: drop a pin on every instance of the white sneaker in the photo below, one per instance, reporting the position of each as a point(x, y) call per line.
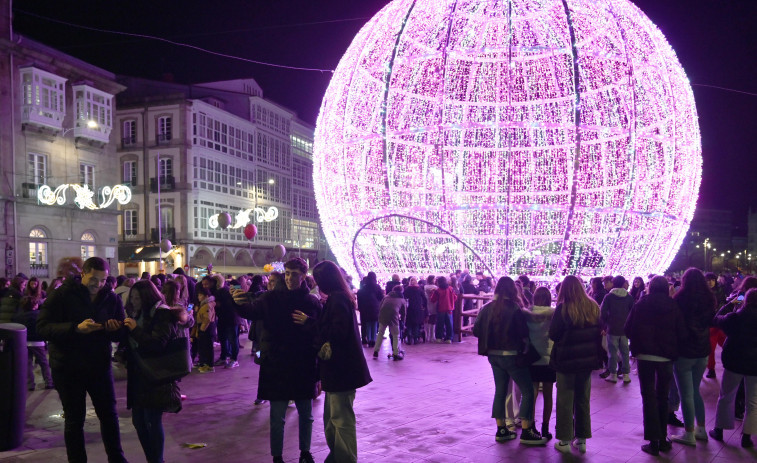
point(687, 438)
point(562, 448)
point(701, 434)
point(613, 378)
point(580, 444)
point(626, 378)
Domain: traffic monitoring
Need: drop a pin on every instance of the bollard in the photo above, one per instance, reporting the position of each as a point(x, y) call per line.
point(13, 358)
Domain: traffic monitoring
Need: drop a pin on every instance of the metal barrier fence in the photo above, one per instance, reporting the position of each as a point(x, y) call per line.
point(478, 301)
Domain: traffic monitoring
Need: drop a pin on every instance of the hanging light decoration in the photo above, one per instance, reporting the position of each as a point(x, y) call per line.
point(550, 137)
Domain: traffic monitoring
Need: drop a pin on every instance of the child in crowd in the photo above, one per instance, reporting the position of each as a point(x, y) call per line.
point(204, 329)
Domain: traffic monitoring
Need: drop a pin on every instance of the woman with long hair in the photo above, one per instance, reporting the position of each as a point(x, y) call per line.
point(698, 306)
point(343, 368)
point(577, 337)
point(637, 288)
point(34, 290)
point(152, 326)
point(502, 333)
point(539, 317)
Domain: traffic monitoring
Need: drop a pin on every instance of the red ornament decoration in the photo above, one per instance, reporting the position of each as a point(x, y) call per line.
point(250, 231)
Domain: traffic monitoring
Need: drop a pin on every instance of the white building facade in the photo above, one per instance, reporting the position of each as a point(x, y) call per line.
point(194, 152)
point(59, 166)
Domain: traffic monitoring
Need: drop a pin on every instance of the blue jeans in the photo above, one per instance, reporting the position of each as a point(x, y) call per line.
point(339, 427)
point(505, 369)
point(228, 337)
point(444, 326)
point(278, 418)
point(688, 374)
point(615, 344)
point(149, 425)
point(369, 330)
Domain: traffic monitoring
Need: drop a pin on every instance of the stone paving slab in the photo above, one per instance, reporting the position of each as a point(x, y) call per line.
point(434, 406)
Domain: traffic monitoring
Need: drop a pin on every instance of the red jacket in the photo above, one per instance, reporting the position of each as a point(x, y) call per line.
point(446, 299)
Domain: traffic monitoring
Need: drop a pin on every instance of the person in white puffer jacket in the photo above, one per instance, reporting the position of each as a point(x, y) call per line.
point(539, 316)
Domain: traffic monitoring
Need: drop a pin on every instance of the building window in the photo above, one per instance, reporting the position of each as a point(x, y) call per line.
point(43, 96)
point(164, 129)
point(129, 132)
point(166, 169)
point(87, 175)
point(37, 249)
point(92, 105)
point(87, 247)
point(130, 173)
point(130, 222)
point(37, 169)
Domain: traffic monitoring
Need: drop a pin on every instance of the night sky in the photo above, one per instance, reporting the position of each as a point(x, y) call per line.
point(716, 42)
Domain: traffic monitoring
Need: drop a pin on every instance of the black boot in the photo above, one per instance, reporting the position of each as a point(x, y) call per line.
point(746, 441)
point(652, 448)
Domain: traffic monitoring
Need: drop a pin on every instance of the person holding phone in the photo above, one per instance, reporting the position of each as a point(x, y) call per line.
point(81, 320)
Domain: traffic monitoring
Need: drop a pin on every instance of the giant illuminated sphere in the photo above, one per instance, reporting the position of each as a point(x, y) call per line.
point(545, 137)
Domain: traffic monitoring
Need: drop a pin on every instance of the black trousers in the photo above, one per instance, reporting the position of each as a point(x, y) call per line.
point(73, 387)
point(654, 382)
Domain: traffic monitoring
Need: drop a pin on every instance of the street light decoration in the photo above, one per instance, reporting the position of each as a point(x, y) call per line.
point(551, 137)
point(84, 196)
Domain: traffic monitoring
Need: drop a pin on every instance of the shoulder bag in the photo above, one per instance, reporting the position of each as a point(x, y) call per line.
point(170, 364)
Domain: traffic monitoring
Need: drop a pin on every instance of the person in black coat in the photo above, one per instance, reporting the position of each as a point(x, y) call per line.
point(288, 368)
point(739, 363)
point(34, 343)
point(80, 320)
point(153, 326)
point(654, 328)
point(227, 319)
point(369, 298)
point(416, 306)
point(576, 332)
point(343, 367)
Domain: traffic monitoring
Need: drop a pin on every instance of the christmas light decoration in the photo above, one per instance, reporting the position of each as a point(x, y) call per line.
point(84, 196)
point(545, 137)
point(243, 217)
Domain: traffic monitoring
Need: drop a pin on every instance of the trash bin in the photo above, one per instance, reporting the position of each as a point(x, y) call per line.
point(13, 358)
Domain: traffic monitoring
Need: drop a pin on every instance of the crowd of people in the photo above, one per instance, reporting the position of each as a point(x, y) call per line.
point(306, 339)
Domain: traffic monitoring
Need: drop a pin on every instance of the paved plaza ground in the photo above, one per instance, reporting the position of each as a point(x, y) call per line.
point(434, 406)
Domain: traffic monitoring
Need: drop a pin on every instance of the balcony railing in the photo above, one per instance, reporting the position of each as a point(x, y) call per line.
point(167, 183)
point(164, 138)
point(39, 270)
point(128, 142)
point(167, 233)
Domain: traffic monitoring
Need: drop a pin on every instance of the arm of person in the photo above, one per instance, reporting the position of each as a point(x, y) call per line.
point(250, 309)
point(52, 325)
point(557, 326)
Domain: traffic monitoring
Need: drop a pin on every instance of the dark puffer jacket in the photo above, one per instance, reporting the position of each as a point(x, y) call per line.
point(369, 298)
point(698, 313)
point(9, 305)
point(416, 303)
point(288, 368)
point(59, 316)
point(156, 330)
point(511, 336)
point(740, 348)
point(576, 349)
point(615, 309)
point(655, 326)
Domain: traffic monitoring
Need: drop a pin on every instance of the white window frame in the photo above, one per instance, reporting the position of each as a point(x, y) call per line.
point(129, 173)
point(129, 132)
point(37, 248)
point(43, 97)
point(87, 250)
point(87, 175)
point(37, 169)
point(131, 218)
point(165, 168)
point(165, 128)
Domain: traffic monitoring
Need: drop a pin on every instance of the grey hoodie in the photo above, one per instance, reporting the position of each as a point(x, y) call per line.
point(615, 309)
point(538, 320)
